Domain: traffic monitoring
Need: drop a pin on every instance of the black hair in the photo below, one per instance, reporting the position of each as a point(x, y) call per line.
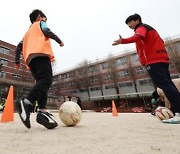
point(35, 13)
point(133, 17)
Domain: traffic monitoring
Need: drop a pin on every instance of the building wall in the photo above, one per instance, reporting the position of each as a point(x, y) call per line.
point(144, 84)
point(21, 79)
point(64, 82)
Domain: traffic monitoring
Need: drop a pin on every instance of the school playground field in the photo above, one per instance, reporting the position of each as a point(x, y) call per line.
point(97, 133)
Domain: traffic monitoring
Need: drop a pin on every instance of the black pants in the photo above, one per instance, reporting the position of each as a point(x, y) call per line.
point(160, 75)
point(42, 72)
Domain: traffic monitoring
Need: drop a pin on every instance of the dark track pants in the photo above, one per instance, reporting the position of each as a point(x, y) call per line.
point(160, 75)
point(42, 72)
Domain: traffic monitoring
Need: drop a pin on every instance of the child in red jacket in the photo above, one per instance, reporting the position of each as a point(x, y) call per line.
point(153, 55)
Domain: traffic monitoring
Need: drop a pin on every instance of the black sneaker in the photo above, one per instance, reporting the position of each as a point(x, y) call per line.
point(45, 119)
point(24, 108)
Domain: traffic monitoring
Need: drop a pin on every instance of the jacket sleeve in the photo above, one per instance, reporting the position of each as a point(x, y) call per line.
point(131, 39)
point(48, 33)
point(18, 52)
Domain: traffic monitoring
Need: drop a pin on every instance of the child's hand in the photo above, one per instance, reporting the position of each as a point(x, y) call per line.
point(61, 44)
point(119, 41)
point(18, 66)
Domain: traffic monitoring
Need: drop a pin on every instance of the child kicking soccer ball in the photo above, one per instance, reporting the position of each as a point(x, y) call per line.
point(38, 55)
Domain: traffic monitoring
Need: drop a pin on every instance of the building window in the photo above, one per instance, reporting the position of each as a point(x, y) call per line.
point(92, 69)
point(71, 74)
point(4, 50)
point(3, 74)
point(29, 79)
point(120, 61)
point(16, 77)
point(176, 46)
point(94, 88)
point(64, 85)
point(135, 58)
point(125, 84)
point(107, 77)
point(81, 72)
point(73, 91)
point(111, 86)
point(83, 90)
point(104, 66)
point(55, 78)
point(4, 62)
point(71, 84)
point(123, 73)
point(140, 70)
point(94, 79)
point(174, 76)
point(54, 87)
point(64, 76)
point(82, 82)
point(171, 66)
point(145, 82)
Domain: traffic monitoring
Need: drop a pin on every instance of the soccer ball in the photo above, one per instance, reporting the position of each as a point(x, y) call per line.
point(70, 113)
point(163, 113)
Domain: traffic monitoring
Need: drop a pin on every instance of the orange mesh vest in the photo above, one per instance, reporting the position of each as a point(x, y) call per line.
point(34, 42)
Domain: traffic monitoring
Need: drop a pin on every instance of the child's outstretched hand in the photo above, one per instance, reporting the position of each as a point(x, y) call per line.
point(119, 41)
point(61, 44)
point(18, 66)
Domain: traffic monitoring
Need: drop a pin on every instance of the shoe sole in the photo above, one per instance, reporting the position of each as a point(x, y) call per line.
point(45, 124)
point(48, 125)
point(172, 122)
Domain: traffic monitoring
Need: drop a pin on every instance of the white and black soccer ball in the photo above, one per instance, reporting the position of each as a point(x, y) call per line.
point(70, 113)
point(163, 113)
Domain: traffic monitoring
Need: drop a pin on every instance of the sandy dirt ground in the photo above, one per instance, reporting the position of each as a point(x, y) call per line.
point(97, 133)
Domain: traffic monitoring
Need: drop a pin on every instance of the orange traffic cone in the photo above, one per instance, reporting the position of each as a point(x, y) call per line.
point(8, 112)
point(114, 110)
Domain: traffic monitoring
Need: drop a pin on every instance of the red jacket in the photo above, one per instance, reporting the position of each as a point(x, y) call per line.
point(150, 47)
